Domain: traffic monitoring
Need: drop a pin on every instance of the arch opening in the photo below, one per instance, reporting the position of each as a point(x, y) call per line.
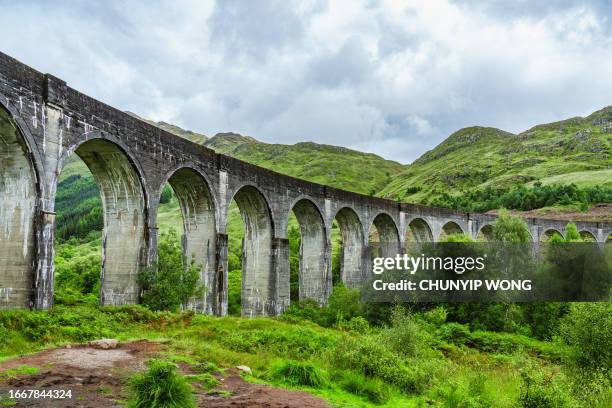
point(351, 248)
point(548, 234)
point(485, 234)
point(257, 287)
point(306, 233)
point(417, 233)
point(188, 194)
point(18, 198)
point(122, 210)
point(587, 236)
point(383, 237)
point(449, 228)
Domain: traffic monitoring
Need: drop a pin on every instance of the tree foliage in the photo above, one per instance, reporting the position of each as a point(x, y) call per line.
point(524, 198)
point(170, 284)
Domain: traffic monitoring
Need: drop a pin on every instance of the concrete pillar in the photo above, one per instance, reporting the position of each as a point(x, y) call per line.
point(219, 291)
point(329, 274)
point(45, 267)
point(366, 262)
point(279, 288)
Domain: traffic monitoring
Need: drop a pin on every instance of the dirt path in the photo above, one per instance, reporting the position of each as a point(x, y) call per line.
point(96, 379)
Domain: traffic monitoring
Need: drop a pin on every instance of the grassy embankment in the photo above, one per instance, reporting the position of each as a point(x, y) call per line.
point(418, 360)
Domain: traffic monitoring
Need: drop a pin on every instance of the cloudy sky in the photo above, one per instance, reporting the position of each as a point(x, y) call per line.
point(390, 77)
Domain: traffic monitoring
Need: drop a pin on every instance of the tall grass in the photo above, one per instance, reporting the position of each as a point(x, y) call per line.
point(160, 387)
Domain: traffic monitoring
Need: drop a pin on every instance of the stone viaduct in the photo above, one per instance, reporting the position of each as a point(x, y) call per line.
point(43, 122)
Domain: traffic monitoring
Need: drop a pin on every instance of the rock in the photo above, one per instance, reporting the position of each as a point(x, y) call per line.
point(104, 344)
point(245, 369)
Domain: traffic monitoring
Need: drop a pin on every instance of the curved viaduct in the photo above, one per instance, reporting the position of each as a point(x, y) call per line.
point(43, 122)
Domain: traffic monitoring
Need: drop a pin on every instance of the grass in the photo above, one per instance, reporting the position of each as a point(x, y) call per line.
point(576, 150)
point(349, 369)
point(160, 387)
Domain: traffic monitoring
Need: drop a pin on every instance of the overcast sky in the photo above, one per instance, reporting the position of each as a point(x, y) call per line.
point(390, 77)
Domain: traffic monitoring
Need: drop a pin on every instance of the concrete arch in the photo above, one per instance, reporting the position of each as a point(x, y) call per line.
point(314, 258)
point(485, 233)
point(388, 235)
point(200, 173)
point(418, 231)
point(587, 236)
point(450, 227)
point(199, 232)
point(124, 204)
point(122, 148)
point(547, 234)
point(258, 284)
point(352, 257)
point(19, 192)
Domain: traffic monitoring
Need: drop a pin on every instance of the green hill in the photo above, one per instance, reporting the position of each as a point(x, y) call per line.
point(575, 150)
point(175, 130)
point(334, 166)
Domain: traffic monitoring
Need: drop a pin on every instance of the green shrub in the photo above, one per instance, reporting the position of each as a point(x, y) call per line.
point(463, 392)
point(299, 373)
point(436, 316)
point(357, 324)
point(540, 390)
point(587, 329)
point(161, 386)
point(370, 356)
point(455, 333)
point(510, 229)
point(373, 389)
point(406, 337)
point(170, 284)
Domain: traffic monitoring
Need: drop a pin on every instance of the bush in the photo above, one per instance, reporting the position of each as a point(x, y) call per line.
point(510, 229)
point(356, 324)
point(469, 393)
point(539, 390)
point(455, 333)
point(370, 356)
point(299, 373)
point(587, 329)
point(406, 337)
point(159, 387)
point(170, 285)
point(374, 390)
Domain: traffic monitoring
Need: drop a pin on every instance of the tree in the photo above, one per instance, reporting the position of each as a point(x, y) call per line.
point(170, 284)
point(510, 229)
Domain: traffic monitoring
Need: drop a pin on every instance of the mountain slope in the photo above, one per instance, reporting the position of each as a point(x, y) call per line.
point(575, 150)
point(334, 166)
point(175, 130)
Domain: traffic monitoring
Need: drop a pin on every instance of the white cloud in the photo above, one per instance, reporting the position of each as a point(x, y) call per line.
point(391, 77)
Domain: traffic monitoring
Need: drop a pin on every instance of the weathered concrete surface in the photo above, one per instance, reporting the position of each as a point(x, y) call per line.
point(257, 255)
point(315, 264)
point(200, 233)
point(123, 207)
point(17, 203)
point(132, 161)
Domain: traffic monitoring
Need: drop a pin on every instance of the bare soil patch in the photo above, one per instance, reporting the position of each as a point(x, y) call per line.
point(245, 394)
point(96, 378)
